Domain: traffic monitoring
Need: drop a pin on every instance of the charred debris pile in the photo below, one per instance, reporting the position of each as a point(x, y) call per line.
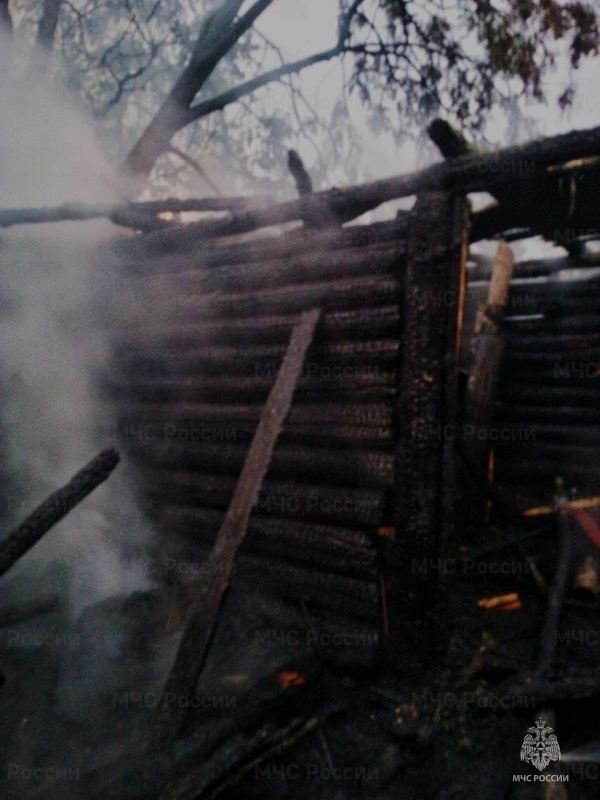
point(370, 438)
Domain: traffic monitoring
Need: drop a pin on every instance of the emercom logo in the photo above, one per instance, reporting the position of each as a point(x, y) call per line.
point(540, 747)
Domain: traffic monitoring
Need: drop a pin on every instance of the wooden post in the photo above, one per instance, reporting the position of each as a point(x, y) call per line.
point(487, 352)
point(426, 414)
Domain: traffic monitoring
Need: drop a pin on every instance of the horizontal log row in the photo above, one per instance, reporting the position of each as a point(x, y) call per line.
point(198, 414)
point(583, 452)
point(533, 471)
point(178, 252)
point(570, 325)
point(358, 468)
point(368, 322)
point(307, 586)
point(200, 349)
point(530, 342)
point(519, 413)
point(542, 361)
point(551, 395)
point(358, 598)
point(361, 385)
point(300, 268)
point(257, 360)
point(550, 388)
point(342, 550)
point(347, 293)
point(320, 503)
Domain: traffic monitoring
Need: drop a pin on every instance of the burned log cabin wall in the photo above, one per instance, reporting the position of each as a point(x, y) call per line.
point(547, 416)
point(193, 371)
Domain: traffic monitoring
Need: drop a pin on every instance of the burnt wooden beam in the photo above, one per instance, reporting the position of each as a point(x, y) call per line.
point(179, 361)
point(431, 314)
point(340, 294)
point(172, 253)
point(55, 507)
point(352, 324)
point(346, 551)
point(199, 414)
point(299, 268)
point(361, 469)
point(144, 216)
point(471, 173)
point(300, 500)
point(199, 631)
point(450, 142)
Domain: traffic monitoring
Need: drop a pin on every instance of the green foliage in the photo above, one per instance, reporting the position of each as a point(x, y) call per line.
point(461, 59)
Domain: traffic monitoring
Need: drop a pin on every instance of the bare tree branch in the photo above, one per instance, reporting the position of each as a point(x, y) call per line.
point(217, 37)
point(218, 103)
point(198, 168)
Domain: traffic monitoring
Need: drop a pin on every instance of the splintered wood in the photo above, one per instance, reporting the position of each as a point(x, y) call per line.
point(199, 631)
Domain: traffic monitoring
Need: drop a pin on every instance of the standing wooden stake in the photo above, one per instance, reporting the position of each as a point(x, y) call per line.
point(199, 631)
point(488, 351)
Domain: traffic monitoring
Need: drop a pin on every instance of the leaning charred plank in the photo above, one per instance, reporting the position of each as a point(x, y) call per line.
point(55, 507)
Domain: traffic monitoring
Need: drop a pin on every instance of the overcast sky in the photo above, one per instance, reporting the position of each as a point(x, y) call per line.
point(307, 26)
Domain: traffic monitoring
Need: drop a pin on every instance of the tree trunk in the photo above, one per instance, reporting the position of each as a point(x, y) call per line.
point(48, 22)
point(217, 36)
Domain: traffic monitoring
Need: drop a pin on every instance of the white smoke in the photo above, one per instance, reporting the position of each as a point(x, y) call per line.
point(53, 345)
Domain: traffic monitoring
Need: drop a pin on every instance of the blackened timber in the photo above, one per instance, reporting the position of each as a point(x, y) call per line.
point(355, 597)
point(551, 395)
point(531, 469)
point(347, 293)
point(345, 468)
point(460, 175)
point(549, 414)
point(531, 342)
point(300, 268)
point(199, 414)
point(144, 215)
point(325, 504)
point(150, 254)
point(358, 323)
point(354, 384)
point(345, 551)
point(549, 325)
point(332, 434)
point(436, 262)
point(199, 631)
point(55, 507)
point(256, 360)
